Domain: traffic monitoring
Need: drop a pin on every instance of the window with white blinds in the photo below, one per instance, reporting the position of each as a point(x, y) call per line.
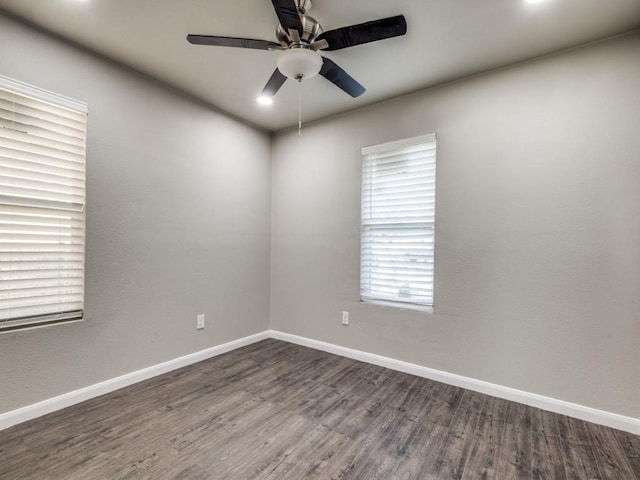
point(398, 223)
point(42, 206)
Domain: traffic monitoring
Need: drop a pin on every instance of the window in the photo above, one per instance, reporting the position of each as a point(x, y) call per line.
point(42, 206)
point(398, 223)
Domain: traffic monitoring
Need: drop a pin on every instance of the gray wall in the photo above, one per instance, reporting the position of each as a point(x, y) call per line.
point(177, 224)
point(538, 231)
point(538, 228)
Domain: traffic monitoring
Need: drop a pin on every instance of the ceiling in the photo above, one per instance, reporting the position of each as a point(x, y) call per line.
point(446, 40)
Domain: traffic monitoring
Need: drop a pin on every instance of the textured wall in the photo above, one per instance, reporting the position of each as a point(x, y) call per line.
point(537, 237)
point(177, 224)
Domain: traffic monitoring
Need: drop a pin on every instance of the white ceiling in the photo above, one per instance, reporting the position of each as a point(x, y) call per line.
point(446, 40)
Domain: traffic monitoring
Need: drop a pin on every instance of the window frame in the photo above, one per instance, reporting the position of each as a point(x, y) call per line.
point(57, 203)
point(369, 154)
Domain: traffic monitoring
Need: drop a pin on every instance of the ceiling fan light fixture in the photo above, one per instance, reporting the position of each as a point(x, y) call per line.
point(299, 63)
point(300, 37)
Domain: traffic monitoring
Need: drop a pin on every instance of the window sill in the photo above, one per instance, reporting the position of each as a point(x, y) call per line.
point(20, 326)
point(404, 306)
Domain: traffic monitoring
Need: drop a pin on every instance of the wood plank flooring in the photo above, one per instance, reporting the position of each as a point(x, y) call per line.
point(276, 411)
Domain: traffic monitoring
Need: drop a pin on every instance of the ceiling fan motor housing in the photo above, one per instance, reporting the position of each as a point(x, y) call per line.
point(310, 30)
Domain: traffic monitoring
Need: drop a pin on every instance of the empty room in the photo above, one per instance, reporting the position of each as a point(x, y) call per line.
point(316, 239)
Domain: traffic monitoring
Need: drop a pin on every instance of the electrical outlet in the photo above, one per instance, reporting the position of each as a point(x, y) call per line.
point(200, 322)
point(345, 319)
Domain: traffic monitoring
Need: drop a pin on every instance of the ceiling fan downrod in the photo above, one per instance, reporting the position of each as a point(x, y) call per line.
point(311, 28)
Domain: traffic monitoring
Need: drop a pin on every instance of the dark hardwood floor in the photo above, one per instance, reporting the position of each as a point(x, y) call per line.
point(275, 411)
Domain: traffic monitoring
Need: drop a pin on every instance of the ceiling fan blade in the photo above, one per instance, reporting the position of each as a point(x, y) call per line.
point(232, 42)
point(340, 78)
point(273, 85)
point(288, 15)
point(364, 33)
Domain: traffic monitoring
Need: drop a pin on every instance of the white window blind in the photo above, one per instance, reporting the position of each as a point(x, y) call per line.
point(42, 206)
point(398, 220)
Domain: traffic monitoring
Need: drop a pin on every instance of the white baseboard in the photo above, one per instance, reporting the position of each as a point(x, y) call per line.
point(628, 424)
point(601, 417)
point(51, 405)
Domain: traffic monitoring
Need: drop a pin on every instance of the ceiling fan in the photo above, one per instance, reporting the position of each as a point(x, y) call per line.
point(300, 37)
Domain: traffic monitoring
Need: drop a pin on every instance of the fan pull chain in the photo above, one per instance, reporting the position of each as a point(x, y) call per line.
point(299, 107)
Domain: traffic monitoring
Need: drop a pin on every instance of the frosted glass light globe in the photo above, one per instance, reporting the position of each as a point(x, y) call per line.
point(299, 63)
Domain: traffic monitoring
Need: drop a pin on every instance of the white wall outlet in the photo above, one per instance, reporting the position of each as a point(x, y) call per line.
point(345, 319)
point(200, 322)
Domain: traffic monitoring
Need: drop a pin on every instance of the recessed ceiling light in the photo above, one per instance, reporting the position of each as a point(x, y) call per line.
point(535, 1)
point(264, 100)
